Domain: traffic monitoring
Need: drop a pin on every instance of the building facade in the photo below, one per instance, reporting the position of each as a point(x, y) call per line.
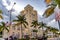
point(30, 15)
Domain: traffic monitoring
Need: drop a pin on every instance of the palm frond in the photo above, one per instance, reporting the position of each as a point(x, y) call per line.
point(15, 20)
point(1, 29)
point(34, 23)
point(41, 25)
point(1, 17)
point(24, 25)
point(7, 29)
point(26, 22)
point(0, 11)
point(49, 11)
point(21, 20)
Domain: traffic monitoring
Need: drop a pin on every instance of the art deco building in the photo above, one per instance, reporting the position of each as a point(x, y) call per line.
point(30, 15)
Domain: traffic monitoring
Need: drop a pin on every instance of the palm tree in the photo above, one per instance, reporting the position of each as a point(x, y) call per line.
point(1, 18)
point(35, 24)
point(42, 25)
point(21, 20)
point(48, 28)
point(0, 14)
point(3, 26)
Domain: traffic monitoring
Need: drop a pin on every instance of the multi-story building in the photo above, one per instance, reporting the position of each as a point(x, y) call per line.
point(30, 15)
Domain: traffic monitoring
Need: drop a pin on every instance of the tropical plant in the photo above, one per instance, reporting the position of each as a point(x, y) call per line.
point(3, 26)
point(35, 24)
point(52, 4)
point(42, 25)
point(54, 30)
point(1, 18)
point(21, 20)
point(0, 14)
point(47, 29)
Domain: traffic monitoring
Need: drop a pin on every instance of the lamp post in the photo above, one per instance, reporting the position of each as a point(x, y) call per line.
point(10, 11)
point(10, 28)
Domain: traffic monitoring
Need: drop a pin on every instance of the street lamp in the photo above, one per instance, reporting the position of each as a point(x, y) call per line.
point(11, 12)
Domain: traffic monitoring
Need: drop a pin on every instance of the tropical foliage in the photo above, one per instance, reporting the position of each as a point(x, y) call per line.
point(34, 24)
point(51, 29)
point(21, 20)
point(3, 26)
point(42, 25)
point(0, 14)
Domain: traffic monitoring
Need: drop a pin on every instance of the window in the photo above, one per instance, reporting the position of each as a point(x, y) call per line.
point(18, 28)
point(33, 14)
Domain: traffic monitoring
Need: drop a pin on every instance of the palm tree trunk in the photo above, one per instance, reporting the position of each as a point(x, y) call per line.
point(42, 30)
point(36, 34)
point(21, 32)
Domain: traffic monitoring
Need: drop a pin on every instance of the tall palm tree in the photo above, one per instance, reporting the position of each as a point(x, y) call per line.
point(35, 24)
point(1, 18)
point(42, 25)
point(21, 20)
point(3, 26)
point(0, 14)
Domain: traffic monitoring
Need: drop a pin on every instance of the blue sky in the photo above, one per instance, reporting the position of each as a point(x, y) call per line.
point(38, 5)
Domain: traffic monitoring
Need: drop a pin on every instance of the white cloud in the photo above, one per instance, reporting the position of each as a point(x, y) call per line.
point(54, 24)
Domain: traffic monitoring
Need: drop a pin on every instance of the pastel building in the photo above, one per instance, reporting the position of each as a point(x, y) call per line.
point(30, 15)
